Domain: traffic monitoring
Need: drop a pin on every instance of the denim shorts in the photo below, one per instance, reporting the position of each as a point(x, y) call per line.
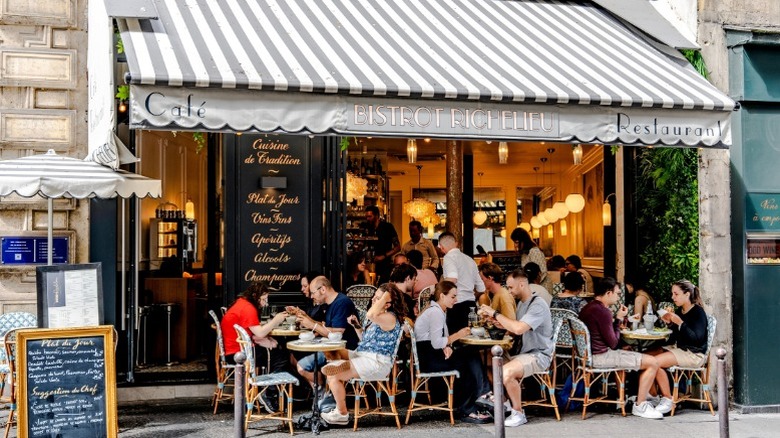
point(307, 363)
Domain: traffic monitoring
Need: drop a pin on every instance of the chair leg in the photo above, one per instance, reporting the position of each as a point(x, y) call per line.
point(289, 417)
point(705, 383)
point(358, 389)
point(415, 386)
point(621, 376)
point(676, 391)
point(450, 396)
point(10, 422)
point(586, 378)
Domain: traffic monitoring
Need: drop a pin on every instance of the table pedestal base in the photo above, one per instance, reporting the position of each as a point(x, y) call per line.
point(311, 422)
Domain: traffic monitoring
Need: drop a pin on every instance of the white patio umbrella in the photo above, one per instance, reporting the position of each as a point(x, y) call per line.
point(55, 176)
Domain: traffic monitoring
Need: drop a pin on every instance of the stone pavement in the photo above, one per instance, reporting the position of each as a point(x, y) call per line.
point(192, 418)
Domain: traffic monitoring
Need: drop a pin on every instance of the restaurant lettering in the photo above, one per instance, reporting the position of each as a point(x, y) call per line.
point(271, 218)
point(453, 118)
point(653, 127)
point(157, 104)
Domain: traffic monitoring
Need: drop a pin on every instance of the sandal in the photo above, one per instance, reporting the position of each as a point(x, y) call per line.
point(486, 399)
point(476, 418)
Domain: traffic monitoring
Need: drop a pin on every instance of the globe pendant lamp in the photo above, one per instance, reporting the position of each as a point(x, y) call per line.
point(560, 209)
point(535, 223)
point(575, 202)
point(526, 226)
point(419, 208)
point(550, 215)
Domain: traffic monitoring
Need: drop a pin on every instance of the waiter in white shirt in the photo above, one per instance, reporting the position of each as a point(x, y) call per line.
point(461, 270)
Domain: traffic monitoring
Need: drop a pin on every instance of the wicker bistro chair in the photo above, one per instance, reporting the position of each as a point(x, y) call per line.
point(382, 386)
point(564, 346)
point(425, 297)
point(361, 295)
point(701, 373)
point(9, 323)
point(546, 378)
point(257, 384)
point(225, 370)
point(420, 380)
point(589, 375)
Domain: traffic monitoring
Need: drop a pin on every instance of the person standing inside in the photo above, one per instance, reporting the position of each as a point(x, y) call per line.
point(387, 243)
point(574, 264)
point(534, 325)
point(530, 252)
point(461, 270)
point(425, 246)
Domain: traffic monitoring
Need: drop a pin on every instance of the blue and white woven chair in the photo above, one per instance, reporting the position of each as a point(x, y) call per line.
point(9, 323)
point(701, 373)
point(564, 346)
point(589, 375)
point(382, 386)
point(361, 295)
point(224, 369)
point(258, 384)
point(420, 380)
point(546, 378)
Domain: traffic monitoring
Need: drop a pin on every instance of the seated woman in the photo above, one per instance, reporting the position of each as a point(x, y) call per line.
point(356, 270)
point(689, 331)
point(569, 299)
point(638, 296)
point(434, 349)
point(373, 358)
point(574, 264)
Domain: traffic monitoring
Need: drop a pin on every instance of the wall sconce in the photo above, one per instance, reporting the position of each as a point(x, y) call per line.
point(503, 152)
point(535, 233)
point(576, 153)
point(606, 211)
point(122, 106)
point(550, 233)
point(411, 150)
point(564, 228)
point(189, 210)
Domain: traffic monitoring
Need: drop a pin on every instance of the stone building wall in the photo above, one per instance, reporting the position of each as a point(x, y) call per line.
point(43, 105)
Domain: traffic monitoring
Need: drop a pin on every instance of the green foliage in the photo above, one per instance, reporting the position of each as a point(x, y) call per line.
point(697, 61)
point(120, 45)
point(123, 92)
point(668, 222)
point(200, 140)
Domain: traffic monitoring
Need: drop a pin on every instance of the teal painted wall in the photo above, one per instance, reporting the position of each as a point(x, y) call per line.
point(755, 161)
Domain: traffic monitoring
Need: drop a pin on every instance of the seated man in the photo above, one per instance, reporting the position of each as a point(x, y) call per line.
point(534, 324)
point(605, 336)
point(340, 307)
point(497, 297)
point(425, 277)
point(403, 277)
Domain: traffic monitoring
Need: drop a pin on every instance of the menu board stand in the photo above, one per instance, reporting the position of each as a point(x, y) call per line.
point(70, 295)
point(66, 382)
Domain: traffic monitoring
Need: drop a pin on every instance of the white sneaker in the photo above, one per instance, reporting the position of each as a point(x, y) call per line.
point(517, 418)
point(646, 410)
point(334, 417)
point(664, 406)
point(653, 399)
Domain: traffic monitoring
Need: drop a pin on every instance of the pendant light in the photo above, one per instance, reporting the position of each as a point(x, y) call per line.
point(548, 213)
point(503, 152)
point(576, 153)
point(411, 150)
point(419, 208)
point(575, 202)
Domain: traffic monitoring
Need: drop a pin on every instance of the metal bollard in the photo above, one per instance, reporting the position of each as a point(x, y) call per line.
point(723, 394)
point(498, 390)
point(238, 395)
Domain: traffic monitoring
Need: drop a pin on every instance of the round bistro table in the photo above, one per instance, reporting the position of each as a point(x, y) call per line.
point(316, 345)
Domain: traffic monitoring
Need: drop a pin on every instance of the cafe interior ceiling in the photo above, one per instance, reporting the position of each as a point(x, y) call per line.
point(522, 155)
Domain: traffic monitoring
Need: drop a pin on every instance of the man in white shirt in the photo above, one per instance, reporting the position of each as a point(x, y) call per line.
point(461, 270)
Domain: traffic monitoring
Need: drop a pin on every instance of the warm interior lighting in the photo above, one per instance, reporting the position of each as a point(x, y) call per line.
point(535, 233)
point(419, 208)
point(479, 217)
point(526, 226)
point(535, 223)
point(550, 215)
point(575, 202)
point(357, 188)
point(503, 233)
point(550, 233)
point(606, 212)
point(189, 210)
point(560, 209)
point(503, 152)
point(576, 153)
point(564, 228)
point(542, 220)
point(122, 106)
point(411, 150)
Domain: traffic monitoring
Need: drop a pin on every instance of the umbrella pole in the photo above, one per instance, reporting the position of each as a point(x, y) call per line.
point(51, 237)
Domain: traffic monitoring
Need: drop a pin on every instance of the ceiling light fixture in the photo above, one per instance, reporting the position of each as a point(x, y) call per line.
point(411, 150)
point(576, 153)
point(503, 152)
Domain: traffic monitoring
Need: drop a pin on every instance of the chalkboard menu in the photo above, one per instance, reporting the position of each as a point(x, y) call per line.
point(273, 215)
point(66, 383)
point(70, 295)
point(508, 261)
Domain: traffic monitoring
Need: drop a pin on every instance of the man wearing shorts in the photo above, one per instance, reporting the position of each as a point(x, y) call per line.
point(604, 338)
point(534, 324)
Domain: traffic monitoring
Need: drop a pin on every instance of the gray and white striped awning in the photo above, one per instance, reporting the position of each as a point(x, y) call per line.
point(494, 69)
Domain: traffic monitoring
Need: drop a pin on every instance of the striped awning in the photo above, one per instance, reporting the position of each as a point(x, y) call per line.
point(451, 68)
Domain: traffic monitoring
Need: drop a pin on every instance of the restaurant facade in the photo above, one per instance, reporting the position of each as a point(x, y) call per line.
point(272, 103)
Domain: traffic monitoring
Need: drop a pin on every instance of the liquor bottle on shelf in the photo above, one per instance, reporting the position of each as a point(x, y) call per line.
point(362, 166)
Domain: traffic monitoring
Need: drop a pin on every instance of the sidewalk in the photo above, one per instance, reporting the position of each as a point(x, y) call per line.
point(193, 419)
